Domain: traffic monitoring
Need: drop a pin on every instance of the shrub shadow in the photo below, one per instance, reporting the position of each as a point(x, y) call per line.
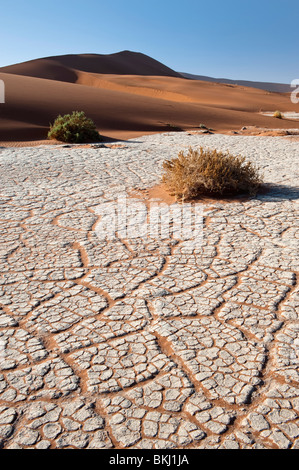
point(273, 192)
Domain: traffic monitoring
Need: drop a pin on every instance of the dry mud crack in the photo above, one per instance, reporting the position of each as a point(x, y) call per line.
point(146, 342)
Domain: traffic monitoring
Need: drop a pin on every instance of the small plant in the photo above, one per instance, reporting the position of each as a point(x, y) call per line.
point(278, 115)
point(209, 172)
point(74, 128)
point(173, 127)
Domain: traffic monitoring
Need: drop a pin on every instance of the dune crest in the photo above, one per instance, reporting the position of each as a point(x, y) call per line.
point(64, 67)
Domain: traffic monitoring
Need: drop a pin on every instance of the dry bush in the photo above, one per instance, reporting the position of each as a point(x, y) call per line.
point(209, 172)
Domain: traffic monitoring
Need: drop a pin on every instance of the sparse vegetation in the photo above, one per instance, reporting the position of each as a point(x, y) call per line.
point(173, 128)
point(209, 172)
point(74, 128)
point(205, 129)
point(278, 115)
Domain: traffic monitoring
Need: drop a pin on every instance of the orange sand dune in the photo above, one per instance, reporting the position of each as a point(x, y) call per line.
point(63, 67)
point(220, 95)
point(124, 104)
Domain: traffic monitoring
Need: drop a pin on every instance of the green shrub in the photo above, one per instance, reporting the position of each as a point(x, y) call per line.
point(278, 115)
point(209, 172)
point(74, 128)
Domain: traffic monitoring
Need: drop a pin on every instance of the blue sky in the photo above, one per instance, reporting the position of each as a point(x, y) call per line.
point(238, 39)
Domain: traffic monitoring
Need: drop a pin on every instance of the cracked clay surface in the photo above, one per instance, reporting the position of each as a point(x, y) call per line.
point(146, 342)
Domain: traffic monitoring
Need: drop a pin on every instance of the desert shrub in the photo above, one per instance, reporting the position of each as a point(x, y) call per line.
point(209, 172)
point(173, 128)
point(74, 128)
point(278, 115)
